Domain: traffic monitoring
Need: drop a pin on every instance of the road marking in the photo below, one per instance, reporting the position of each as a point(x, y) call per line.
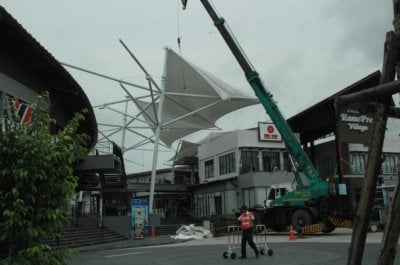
point(124, 254)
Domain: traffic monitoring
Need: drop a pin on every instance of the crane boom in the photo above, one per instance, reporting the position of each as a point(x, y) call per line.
point(317, 204)
point(292, 144)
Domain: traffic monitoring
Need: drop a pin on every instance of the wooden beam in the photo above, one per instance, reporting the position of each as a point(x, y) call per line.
point(370, 108)
point(387, 253)
point(361, 219)
point(394, 112)
point(370, 94)
point(391, 235)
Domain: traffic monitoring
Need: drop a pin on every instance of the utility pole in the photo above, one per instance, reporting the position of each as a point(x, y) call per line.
point(382, 104)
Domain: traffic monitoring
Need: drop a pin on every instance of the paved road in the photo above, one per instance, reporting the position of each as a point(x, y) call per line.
point(284, 253)
point(321, 250)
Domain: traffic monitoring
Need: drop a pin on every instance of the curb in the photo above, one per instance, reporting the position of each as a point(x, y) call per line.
point(95, 248)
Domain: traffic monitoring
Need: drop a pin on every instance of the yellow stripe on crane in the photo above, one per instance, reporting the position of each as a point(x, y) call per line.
point(340, 222)
point(312, 229)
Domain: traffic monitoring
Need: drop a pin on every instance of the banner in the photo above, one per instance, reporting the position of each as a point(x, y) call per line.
point(140, 216)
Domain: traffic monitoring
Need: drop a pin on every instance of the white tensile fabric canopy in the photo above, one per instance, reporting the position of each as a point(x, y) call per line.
point(188, 150)
point(193, 99)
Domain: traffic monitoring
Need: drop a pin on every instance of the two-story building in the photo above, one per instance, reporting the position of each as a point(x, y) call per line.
point(238, 167)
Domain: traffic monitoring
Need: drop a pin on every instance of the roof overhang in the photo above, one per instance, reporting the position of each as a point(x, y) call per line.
point(320, 119)
point(23, 59)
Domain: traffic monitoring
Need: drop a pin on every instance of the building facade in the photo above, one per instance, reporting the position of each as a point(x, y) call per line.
point(238, 168)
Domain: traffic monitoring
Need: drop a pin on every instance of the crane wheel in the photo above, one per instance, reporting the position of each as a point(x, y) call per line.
point(301, 218)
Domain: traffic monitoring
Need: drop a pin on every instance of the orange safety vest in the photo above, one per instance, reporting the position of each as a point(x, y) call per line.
point(245, 221)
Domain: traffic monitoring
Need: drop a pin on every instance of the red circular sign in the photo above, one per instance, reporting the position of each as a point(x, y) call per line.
point(270, 129)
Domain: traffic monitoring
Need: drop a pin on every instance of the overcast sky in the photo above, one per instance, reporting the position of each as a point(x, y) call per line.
point(304, 50)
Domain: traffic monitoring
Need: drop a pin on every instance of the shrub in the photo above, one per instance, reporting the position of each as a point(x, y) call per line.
point(36, 182)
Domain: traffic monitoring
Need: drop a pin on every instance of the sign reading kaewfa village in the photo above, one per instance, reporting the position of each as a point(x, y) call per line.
point(353, 126)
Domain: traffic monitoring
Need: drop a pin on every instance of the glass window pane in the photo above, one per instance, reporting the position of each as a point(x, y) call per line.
point(358, 163)
point(249, 161)
point(227, 164)
point(209, 169)
point(271, 161)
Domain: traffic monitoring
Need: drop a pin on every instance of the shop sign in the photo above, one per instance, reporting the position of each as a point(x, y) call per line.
point(354, 126)
point(268, 132)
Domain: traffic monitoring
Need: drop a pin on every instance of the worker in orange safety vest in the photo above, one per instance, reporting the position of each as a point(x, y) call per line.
point(246, 224)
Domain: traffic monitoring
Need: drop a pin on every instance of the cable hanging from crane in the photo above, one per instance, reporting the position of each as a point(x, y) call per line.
point(179, 43)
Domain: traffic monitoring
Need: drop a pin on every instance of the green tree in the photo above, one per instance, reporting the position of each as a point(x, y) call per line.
point(36, 182)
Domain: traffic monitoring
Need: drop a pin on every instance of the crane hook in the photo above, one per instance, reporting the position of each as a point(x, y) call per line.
point(184, 2)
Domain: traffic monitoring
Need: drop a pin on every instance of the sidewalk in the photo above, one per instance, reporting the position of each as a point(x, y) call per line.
point(340, 235)
point(131, 243)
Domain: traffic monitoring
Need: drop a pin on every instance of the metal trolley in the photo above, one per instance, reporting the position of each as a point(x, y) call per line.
point(235, 240)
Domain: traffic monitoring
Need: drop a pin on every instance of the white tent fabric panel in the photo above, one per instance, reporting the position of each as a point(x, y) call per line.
point(186, 149)
point(194, 99)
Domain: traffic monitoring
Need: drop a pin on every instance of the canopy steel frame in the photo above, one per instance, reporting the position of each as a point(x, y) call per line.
point(152, 113)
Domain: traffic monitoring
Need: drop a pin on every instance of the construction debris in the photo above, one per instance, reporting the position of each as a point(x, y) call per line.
point(191, 232)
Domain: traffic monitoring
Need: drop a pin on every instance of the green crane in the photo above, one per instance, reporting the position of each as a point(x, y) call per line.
point(302, 165)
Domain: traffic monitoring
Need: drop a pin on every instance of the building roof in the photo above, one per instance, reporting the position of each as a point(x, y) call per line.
point(33, 66)
point(161, 171)
point(320, 119)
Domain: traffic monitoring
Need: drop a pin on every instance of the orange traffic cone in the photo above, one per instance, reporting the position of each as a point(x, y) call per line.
point(153, 232)
point(291, 233)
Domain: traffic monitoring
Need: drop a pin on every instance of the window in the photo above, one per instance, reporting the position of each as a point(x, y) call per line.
point(271, 195)
point(270, 161)
point(358, 163)
point(209, 169)
point(276, 193)
point(328, 167)
point(249, 161)
point(218, 204)
point(287, 164)
point(227, 164)
point(389, 164)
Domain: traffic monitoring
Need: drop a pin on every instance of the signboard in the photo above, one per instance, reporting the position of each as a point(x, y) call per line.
point(268, 132)
point(139, 222)
point(353, 126)
point(15, 110)
point(140, 216)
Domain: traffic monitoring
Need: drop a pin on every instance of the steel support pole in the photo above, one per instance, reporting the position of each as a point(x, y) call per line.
point(124, 127)
point(157, 140)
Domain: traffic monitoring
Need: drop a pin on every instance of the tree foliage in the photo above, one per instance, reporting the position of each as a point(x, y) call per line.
point(36, 182)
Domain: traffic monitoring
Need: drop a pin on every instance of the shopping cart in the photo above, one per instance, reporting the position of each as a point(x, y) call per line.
point(235, 240)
